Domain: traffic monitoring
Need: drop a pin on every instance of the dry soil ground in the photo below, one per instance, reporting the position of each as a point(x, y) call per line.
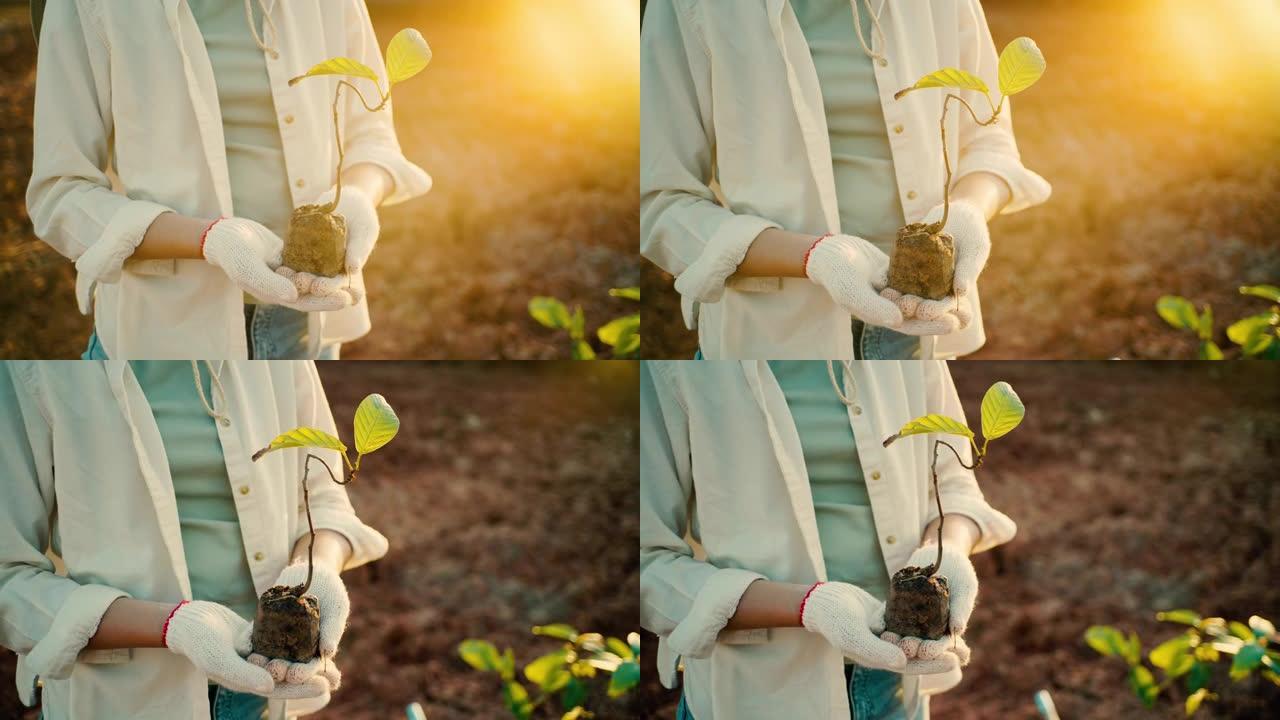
point(1158, 126)
point(509, 498)
point(527, 120)
point(1136, 488)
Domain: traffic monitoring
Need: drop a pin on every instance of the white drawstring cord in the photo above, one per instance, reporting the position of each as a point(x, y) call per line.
point(216, 388)
point(271, 25)
point(877, 31)
point(848, 400)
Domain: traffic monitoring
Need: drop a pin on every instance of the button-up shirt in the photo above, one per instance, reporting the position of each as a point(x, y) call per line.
point(86, 482)
point(725, 501)
point(129, 88)
point(734, 140)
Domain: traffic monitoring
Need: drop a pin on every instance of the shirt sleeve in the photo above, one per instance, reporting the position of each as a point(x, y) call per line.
point(683, 600)
point(991, 148)
point(70, 198)
point(683, 228)
point(330, 507)
point(370, 137)
point(46, 617)
point(957, 486)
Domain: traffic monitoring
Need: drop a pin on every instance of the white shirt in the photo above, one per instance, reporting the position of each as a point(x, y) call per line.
point(129, 87)
point(85, 477)
point(732, 102)
point(722, 471)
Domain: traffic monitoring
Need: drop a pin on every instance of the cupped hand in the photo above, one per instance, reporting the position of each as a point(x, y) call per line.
point(850, 619)
point(846, 267)
point(249, 254)
point(317, 293)
point(361, 216)
point(331, 596)
point(216, 640)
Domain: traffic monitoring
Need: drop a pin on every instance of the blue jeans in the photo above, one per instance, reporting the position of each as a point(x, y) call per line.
point(876, 343)
point(227, 705)
point(873, 695)
point(274, 332)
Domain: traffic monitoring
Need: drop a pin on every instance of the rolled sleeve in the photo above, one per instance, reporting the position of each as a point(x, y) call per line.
point(367, 544)
point(712, 608)
point(103, 261)
point(75, 622)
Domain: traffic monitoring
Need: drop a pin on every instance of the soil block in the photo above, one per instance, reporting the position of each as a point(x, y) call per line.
point(287, 625)
point(317, 241)
point(923, 263)
point(919, 604)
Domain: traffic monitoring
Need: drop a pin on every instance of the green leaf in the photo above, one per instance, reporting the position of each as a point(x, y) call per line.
point(1255, 333)
point(575, 692)
point(1144, 685)
point(619, 648)
point(577, 324)
point(507, 664)
point(1184, 617)
point(932, 423)
point(624, 678)
point(559, 631)
point(303, 437)
point(1178, 312)
point(1021, 65)
point(1194, 700)
point(577, 713)
point(1209, 350)
point(516, 698)
point(1133, 649)
point(1168, 652)
point(622, 334)
point(946, 77)
point(1261, 626)
point(407, 55)
point(550, 312)
point(480, 654)
point(1107, 641)
point(582, 350)
point(1240, 630)
point(630, 293)
point(548, 672)
point(1199, 676)
point(1249, 657)
point(376, 423)
point(339, 66)
point(591, 642)
point(1205, 330)
point(1267, 292)
point(1002, 410)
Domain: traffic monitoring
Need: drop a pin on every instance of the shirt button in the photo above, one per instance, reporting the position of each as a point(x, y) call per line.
point(897, 129)
point(226, 422)
point(857, 409)
point(258, 556)
point(288, 119)
point(891, 540)
point(911, 194)
point(244, 489)
point(301, 183)
point(875, 475)
point(884, 62)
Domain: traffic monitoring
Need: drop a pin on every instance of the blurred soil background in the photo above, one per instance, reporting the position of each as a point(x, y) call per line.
point(509, 498)
point(1137, 487)
point(1158, 125)
point(528, 121)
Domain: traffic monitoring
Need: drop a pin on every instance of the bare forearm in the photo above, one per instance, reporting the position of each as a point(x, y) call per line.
point(989, 193)
point(372, 179)
point(172, 236)
point(767, 604)
point(332, 549)
point(776, 253)
point(130, 623)
point(958, 532)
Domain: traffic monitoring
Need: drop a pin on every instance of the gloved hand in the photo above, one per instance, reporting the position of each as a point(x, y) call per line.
point(216, 640)
point(968, 228)
point(295, 681)
point(845, 266)
point(331, 594)
point(357, 208)
point(962, 582)
point(929, 317)
point(317, 293)
point(248, 253)
point(850, 618)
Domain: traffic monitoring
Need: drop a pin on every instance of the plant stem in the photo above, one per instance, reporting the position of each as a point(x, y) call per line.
point(937, 496)
point(306, 502)
point(946, 188)
point(337, 133)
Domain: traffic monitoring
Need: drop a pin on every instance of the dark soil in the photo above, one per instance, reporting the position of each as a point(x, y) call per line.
point(923, 263)
point(317, 241)
point(287, 625)
point(919, 604)
point(1137, 487)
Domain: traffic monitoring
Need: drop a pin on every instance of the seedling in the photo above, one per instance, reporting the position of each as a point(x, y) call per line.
point(287, 624)
point(317, 241)
point(1257, 335)
point(923, 261)
point(621, 333)
point(566, 672)
point(919, 599)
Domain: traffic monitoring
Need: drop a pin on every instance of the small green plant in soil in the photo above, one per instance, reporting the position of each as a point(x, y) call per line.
point(317, 240)
point(287, 624)
point(1258, 336)
point(1187, 660)
point(919, 599)
point(566, 681)
point(923, 259)
point(622, 334)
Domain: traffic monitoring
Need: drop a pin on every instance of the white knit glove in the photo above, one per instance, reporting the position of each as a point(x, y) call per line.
point(845, 266)
point(331, 594)
point(295, 681)
point(317, 293)
point(248, 253)
point(215, 640)
point(850, 618)
point(929, 317)
point(357, 208)
point(962, 582)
